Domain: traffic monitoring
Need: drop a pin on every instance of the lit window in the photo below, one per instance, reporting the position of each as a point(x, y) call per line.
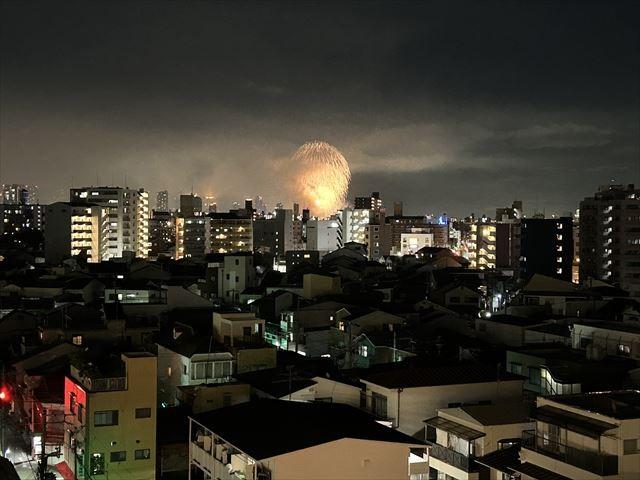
point(96, 464)
point(105, 418)
point(624, 349)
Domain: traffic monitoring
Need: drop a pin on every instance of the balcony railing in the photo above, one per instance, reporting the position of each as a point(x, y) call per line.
point(453, 458)
point(594, 462)
point(105, 384)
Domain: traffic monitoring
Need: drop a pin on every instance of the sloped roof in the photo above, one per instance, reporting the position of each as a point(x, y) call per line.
point(498, 414)
point(501, 460)
point(541, 283)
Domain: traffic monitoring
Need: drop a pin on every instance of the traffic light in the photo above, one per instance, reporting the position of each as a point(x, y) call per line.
point(5, 394)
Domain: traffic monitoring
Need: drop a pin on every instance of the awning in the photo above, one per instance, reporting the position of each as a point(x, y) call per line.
point(502, 460)
point(64, 470)
point(454, 428)
point(539, 473)
point(572, 421)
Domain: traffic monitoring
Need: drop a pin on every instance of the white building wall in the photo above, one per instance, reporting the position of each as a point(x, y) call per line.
point(418, 404)
point(345, 459)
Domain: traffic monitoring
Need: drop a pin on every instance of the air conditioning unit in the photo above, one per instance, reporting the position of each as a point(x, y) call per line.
point(263, 474)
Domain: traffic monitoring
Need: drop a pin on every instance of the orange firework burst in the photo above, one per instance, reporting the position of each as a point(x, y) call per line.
point(323, 178)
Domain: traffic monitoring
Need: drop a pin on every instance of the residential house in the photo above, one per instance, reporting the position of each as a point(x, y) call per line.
point(459, 435)
point(110, 410)
point(277, 440)
point(404, 396)
point(583, 436)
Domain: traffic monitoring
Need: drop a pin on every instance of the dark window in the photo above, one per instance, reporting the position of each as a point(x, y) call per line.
point(246, 331)
point(632, 446)
point(534, 375)
point(379, 405)
point(143, 454)
point(72, 402)
point(118, 456)
point(80, 413)
point(105, 418)
point(237, 262)
point(143, 413)
point(515, 368)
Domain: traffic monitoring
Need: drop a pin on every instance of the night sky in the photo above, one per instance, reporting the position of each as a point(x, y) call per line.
point(453, 107)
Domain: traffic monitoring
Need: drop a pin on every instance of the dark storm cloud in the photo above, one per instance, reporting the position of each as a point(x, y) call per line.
point(454, 106)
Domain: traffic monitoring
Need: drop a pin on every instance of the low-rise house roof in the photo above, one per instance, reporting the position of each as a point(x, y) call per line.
point(621, 404)
point(268, 428)
point(540, 284)
point(411, 377)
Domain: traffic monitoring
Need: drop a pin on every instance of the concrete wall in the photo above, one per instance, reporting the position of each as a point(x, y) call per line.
point(344, 459)
point(212, 398)
point(338, 392)
point(607, 340)
point(500, 333)
point(251, 359)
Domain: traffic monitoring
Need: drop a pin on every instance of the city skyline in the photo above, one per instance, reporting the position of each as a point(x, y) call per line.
point(448, 109)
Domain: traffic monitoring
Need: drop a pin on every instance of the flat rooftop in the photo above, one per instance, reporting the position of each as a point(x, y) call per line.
point(622, 404)
point(617, 326)
point(408, 377)
point(267, 428)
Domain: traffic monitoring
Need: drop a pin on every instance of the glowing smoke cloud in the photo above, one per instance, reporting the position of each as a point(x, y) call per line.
point(323, 179)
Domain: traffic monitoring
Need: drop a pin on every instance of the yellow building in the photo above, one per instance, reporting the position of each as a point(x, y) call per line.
point(482, 251)
point(110, 410)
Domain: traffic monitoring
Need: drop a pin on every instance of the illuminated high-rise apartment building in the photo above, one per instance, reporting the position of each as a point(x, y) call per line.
point(19, 194)
point(482, 251)
point(162, 201)
point(126, 219)
point(610, 237)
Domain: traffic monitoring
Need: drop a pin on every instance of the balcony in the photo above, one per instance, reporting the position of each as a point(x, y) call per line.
point(113, 384)
point(594, 462)
point(453, 458)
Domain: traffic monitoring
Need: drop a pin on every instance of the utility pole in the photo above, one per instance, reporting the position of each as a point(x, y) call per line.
point(2, 415)
point(42, 464)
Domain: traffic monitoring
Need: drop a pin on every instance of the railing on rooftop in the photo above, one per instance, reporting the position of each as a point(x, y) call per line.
point(595, 462)
point(105, 384)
